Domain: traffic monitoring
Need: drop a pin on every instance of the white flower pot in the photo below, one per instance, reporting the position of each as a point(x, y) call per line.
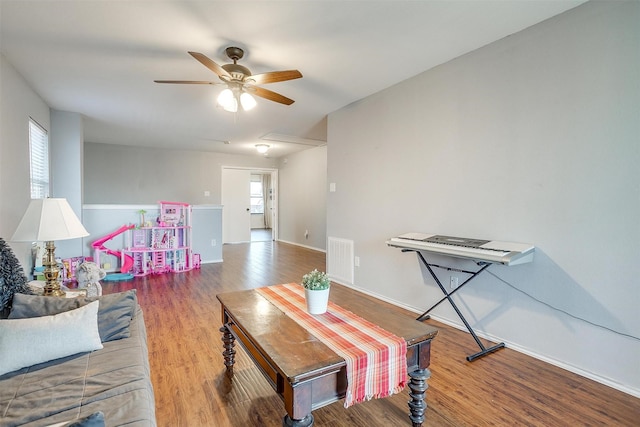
point(317, 301)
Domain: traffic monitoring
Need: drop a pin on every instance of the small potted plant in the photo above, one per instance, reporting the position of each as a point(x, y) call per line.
point(316, 286)
point(142, 212)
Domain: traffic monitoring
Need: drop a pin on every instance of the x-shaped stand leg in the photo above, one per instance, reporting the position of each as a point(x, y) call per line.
point(447, 296)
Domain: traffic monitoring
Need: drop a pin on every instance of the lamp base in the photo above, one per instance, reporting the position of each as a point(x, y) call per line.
point(51, 271)
point(53, 291)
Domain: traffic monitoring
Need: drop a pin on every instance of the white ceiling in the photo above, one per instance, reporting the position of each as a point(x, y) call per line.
point(99, 59)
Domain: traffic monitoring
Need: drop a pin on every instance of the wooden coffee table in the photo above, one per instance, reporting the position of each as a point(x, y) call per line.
point(306, 373)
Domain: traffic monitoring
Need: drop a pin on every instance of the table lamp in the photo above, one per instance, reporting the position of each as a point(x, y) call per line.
point(47, 220)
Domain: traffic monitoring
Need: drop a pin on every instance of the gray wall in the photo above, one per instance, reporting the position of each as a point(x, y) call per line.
point(66, 143)
point(117, 174)
point(534, 138)
point(303, 198)
point(207, 232)
point(135, 175)
point(18, 102)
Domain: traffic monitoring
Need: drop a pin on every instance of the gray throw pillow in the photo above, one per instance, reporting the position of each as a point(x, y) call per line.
point(114, 315)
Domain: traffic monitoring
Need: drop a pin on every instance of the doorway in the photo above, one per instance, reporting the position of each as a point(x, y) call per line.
point(249, 199)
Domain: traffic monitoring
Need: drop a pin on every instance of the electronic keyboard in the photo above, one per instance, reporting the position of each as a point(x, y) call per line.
point(491, 251)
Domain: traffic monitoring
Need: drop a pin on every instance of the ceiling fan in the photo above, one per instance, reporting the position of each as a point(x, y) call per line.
point(240, 82)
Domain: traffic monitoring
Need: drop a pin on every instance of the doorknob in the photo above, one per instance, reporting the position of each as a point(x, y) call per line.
point(248, 209)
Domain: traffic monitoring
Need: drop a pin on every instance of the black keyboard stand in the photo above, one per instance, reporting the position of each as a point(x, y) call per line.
point(447, 296)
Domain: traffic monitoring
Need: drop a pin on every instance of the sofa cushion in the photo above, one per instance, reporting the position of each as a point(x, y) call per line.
point(114, 315)
point(93, 420)
point(26, 342)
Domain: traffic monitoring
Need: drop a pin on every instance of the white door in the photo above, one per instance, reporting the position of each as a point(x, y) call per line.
point(236, 201)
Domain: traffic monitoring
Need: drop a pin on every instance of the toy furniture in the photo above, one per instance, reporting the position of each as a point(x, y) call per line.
point(98, 247)
point(165, 247)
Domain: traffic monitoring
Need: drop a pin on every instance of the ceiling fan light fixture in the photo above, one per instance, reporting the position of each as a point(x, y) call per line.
point(232, 107)
point(228, 101)
point(238, 78)
point(248, 102)
point(262, 148)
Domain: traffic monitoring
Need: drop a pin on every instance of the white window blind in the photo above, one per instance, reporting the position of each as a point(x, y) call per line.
point(39, 158)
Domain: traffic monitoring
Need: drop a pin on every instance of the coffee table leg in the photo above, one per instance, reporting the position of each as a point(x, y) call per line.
point(418, 386)
point(305, 422)
point(229, 342)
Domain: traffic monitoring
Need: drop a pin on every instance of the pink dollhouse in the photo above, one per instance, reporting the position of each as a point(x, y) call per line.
point(165, 247)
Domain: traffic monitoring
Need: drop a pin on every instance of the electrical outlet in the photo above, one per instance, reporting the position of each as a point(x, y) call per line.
point(453, 282)
point(306, 234)
point(213, 242)
point(356, 261)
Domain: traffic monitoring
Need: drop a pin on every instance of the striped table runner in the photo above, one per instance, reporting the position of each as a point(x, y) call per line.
point(376, 359)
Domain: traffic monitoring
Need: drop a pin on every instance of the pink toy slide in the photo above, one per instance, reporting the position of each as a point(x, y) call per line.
point(127, 261)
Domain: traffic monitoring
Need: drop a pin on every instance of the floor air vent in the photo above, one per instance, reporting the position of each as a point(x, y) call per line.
point(340, 260)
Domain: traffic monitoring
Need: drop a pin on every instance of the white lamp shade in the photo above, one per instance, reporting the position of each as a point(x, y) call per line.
point(247, 101)
point(232, 106)
point(49, 219)
point(228, 101)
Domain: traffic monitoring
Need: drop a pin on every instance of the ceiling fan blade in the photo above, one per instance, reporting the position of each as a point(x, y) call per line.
point(221, 72)
point(186, 82)
point(270, 95)
point(275, 76)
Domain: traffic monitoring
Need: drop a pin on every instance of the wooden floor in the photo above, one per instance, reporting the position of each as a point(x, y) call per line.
point(191, 389)
point(261, 234)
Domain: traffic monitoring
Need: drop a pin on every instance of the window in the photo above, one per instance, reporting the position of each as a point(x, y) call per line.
point(257, 202)
point(39, 159)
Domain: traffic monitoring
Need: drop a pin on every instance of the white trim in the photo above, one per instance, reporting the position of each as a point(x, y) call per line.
point(302, 246)
point(196, 207)
point(291, 139)
point(97, 207)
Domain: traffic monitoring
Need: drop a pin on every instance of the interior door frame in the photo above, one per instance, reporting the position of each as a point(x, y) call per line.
point(274, 185)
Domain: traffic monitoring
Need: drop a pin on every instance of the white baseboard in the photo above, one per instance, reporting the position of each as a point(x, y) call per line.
point(303, 246)
point(586, 374)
